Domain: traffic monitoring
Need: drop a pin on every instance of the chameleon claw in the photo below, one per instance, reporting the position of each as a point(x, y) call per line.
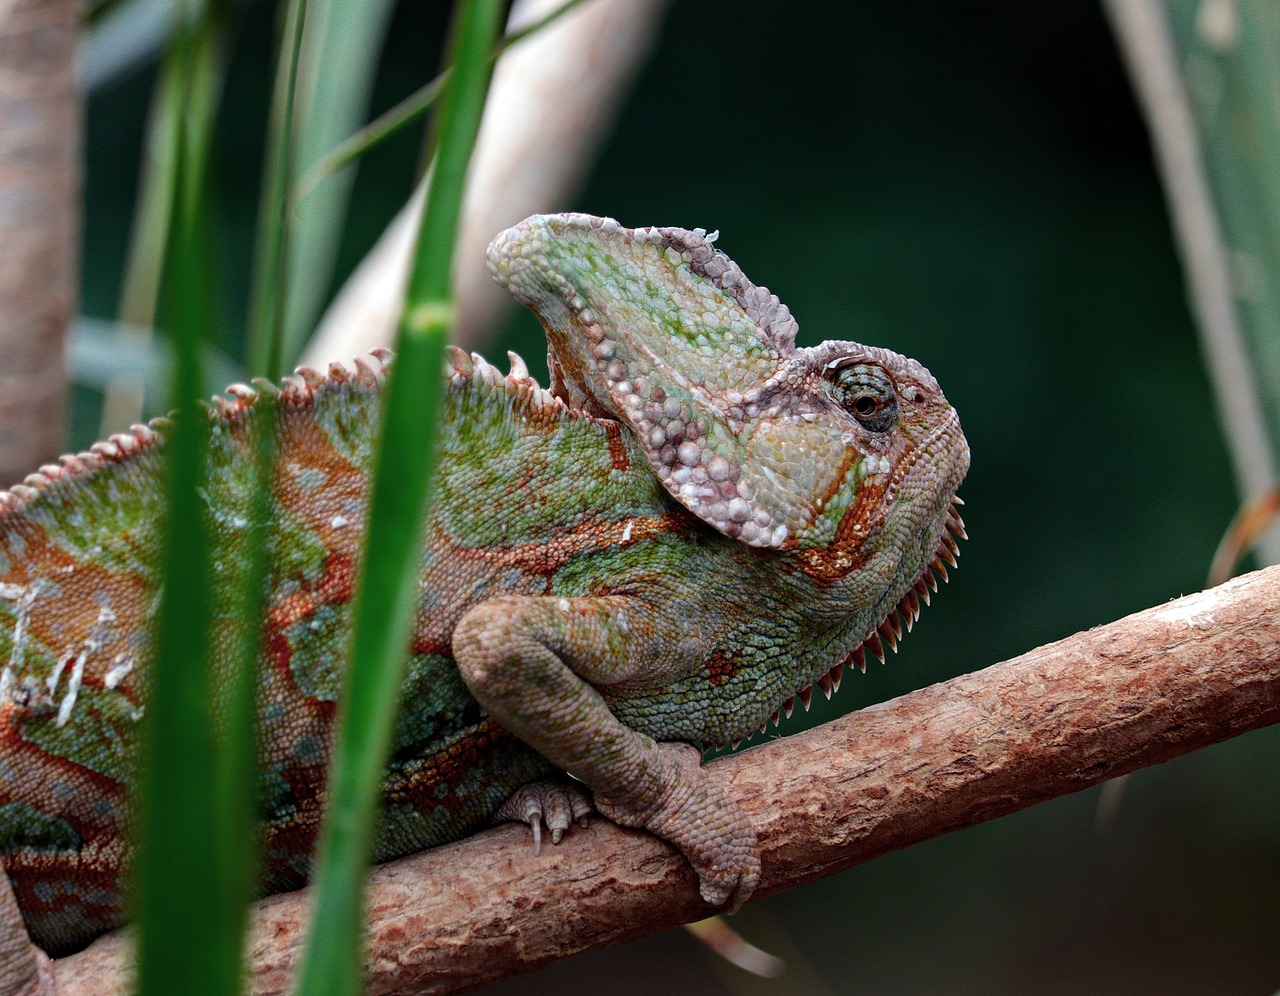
point(553, 803)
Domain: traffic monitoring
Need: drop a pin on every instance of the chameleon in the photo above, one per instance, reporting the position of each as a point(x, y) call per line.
point(695, 523)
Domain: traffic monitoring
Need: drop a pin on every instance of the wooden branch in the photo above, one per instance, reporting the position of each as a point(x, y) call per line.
point(1157, 684)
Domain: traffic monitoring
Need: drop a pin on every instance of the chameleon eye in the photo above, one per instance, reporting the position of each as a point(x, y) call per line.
point(864, 406)
point(867, 393)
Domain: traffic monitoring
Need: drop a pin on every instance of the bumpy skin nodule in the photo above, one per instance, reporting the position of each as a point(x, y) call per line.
point(697, 523)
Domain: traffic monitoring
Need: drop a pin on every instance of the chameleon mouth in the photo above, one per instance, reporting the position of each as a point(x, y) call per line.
point(890, 630)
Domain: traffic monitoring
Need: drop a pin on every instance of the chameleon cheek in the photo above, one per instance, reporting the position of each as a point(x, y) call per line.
point(851, 545)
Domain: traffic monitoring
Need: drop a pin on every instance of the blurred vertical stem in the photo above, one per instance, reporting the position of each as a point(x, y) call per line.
point(152, 214)
point(183, 944)
point(408, 111)
point(267, 306)
point(337, 68)
point(41, 110)
point(1207, 75)
point(389, 566)
point(236, 770)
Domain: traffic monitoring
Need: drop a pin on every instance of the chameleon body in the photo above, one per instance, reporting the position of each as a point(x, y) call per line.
point(692, 526)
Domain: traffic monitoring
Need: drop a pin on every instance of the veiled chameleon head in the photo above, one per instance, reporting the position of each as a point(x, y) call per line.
point(803, 450)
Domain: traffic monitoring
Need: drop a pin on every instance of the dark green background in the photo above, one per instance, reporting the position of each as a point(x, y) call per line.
point(971, 185)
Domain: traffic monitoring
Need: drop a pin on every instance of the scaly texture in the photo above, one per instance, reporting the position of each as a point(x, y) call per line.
point(695, 525)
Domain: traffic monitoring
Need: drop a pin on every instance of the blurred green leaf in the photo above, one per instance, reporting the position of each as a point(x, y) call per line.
point(180, 867)
point(100, 351)
point(336, 72)
point(267, 307)
point(407, 111)
point(389, 565)
point(152, 213)
point(1208, 75)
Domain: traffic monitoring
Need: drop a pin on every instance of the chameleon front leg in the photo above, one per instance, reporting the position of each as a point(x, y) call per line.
point(532, 662)
point(25, 970)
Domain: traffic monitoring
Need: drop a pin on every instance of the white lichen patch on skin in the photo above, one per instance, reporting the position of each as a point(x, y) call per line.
point(25, 597)
point(120, 667)
point(56, 674)
point(73, 685)
point(77, 659)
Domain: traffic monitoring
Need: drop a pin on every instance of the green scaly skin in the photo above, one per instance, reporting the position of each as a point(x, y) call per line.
point(695, 524)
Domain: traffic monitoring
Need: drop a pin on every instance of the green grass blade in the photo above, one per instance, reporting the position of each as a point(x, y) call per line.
point(151, 213)
point(387, 585)
point(339, 55)
point(406, 112)
point(236, 762)
point(236, 766)
point(271, 258)
point(180, 889)
point(148, 236)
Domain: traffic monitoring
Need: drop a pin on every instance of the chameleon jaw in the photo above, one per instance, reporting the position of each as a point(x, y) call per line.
point(890, 630)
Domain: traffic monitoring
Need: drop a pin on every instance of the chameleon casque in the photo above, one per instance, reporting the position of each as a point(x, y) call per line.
point(696, 523)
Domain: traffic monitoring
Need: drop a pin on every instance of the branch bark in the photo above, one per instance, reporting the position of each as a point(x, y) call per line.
point(1157, 684)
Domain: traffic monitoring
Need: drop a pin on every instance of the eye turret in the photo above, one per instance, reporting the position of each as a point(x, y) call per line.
point(867, 393)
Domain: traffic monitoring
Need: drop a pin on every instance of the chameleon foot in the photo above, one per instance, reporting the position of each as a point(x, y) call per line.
point(696, 815)
point(553, 803)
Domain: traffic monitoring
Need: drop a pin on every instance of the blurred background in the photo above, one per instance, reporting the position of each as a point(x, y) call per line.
point(971, 185)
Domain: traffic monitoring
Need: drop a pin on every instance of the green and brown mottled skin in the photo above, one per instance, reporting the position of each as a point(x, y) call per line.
point(696, 523)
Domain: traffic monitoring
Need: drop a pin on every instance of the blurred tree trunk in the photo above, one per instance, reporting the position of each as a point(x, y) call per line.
point(40, 120)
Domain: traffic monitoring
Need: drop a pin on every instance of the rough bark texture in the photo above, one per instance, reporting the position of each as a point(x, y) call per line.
point(39, 227)
point(1157, 684)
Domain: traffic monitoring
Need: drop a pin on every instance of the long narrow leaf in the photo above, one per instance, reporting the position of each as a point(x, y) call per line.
point(267, 307)
point(407, 111)
point(180, 888)
point(1207, 75)
point(235, 773)
point(152, 216)
point(339, 54)
point(387, 585)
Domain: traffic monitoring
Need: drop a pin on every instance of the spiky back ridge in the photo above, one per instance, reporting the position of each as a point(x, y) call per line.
point(95, 512)
point(298, 391)
point(304, 389)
